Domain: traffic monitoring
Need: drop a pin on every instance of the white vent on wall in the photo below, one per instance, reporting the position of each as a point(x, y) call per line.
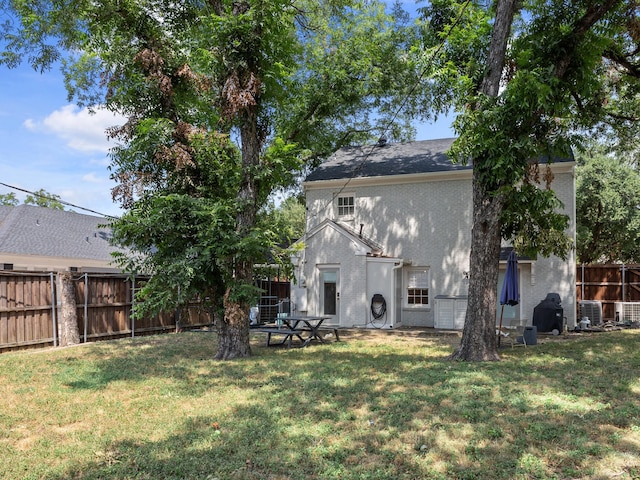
point(592, 309)
point(627, 311)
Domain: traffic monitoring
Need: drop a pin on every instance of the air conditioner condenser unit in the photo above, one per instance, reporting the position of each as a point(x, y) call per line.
point(592, 309)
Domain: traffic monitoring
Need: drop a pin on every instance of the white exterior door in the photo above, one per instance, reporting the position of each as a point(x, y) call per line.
point(330, 295)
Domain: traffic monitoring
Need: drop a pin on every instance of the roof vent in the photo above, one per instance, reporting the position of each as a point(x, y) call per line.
point(382, 141)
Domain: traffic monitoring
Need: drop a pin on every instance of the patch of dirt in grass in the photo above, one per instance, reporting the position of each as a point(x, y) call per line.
point(26, 440)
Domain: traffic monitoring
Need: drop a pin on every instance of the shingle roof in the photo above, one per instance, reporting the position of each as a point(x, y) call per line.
point(30, 230)
point(425, 156)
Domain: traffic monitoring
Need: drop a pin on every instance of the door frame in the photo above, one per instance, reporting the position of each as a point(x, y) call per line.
point(331, 319)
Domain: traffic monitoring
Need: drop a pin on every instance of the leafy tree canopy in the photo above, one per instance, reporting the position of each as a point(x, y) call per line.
point(9, 199)
point(42, 198)
point(552, 95)
point(39, 198)
point(227, 100)
point(608, 208)
point(529, 79)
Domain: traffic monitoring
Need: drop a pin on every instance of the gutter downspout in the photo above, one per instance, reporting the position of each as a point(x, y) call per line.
point(395, 307)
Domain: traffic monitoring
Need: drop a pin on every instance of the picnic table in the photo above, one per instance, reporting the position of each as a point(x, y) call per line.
point(306, 328)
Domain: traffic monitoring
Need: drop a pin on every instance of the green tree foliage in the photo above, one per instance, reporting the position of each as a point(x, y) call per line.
point(180, 232)
point(608, 209)
point(42, 198)
point(549, 74)
point(288, 219)
point(286, 224)
point(9, 199)
point(39, 198)
point(227, 100)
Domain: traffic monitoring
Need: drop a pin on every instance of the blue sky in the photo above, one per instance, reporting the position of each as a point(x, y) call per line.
point(46, 142)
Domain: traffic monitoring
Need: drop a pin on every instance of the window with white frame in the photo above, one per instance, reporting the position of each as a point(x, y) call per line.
point(346, 205)
point(417, 281)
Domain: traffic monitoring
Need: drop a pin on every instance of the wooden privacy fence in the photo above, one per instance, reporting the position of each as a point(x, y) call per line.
point(30, 306)
point(609, 284)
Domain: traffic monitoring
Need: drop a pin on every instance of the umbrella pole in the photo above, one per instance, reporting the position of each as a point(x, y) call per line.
point(500, 329)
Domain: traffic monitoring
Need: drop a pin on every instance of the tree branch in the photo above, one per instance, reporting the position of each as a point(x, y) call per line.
point(627, 118)
point(593, 14)
point(633, 69)
point(498, 47)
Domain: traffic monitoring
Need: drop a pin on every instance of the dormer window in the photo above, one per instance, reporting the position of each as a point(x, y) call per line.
point(346, 205)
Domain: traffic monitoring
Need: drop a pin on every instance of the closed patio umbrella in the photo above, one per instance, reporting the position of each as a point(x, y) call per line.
point(510, 294)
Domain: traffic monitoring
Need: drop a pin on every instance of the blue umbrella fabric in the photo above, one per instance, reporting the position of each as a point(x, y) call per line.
point(510, 294)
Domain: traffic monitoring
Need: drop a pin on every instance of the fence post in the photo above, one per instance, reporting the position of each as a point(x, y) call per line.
point(69, 334)
point(54, 303)
point(624, 282)
point(132, 318)
point(86, 304)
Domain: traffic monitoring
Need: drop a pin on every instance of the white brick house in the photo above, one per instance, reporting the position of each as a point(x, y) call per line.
point(395, 220)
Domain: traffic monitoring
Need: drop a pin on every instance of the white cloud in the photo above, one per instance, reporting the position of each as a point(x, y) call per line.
point(100, 162)
point(80, 129)
point(93, 178)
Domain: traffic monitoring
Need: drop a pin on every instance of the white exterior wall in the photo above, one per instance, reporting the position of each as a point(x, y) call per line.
point(328, 249)
point(426, 221)
point(380, 280)
point(554, 275)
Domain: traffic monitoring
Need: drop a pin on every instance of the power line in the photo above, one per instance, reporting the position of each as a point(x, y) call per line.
point(68, 204)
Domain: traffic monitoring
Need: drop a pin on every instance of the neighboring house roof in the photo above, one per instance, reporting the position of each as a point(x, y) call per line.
point(46, 232)
point(425, 156)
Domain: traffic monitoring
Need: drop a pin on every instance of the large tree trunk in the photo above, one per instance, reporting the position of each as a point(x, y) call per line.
point(479, 333)
point(233, 331)
point(68, 318)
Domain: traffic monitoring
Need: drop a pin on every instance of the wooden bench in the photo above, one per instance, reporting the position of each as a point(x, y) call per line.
point(288, 334)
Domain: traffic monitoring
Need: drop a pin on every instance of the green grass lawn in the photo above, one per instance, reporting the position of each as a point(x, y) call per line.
point(369, 407)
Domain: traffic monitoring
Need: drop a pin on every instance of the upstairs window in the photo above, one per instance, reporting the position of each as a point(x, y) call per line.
point(346, 205)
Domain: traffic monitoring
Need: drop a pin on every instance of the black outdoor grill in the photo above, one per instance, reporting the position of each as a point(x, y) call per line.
point(548, 315)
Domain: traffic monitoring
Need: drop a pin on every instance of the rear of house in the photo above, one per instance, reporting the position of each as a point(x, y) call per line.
point(388, 241)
